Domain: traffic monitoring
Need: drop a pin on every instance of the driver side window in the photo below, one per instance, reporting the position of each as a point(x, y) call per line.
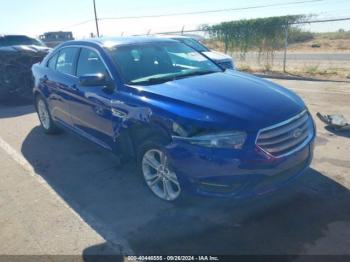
point(90, 63)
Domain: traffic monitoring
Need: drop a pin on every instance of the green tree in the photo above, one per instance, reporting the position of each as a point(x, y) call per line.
point(263, 34)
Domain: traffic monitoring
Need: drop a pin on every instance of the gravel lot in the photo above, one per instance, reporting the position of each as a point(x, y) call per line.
point(63, 195)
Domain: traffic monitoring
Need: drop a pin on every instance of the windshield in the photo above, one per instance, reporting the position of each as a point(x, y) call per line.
point(193, 43)
point(153, 63)
point(18, 40)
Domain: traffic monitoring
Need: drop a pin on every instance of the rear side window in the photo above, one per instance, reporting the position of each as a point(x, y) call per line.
point(66, 60)
point(194, 44)
point(52, 62)
point(90, 63)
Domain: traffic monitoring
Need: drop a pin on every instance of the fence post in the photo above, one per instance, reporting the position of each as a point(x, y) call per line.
point(285, 48)
point(226, 44)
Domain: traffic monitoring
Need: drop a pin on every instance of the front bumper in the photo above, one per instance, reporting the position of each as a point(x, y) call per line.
point(238, 174)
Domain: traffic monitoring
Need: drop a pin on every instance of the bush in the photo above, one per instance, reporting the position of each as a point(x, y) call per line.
point(296, 35)
point(264, 34)
point(312, 70)
point(316, 45)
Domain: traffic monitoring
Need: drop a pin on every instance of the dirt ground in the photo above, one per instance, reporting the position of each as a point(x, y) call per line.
point(333, 42)
point(63, 195)
point(329, 61)
point(321, 65)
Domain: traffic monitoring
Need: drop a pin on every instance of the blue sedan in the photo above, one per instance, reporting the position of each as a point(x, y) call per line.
point(191, 126)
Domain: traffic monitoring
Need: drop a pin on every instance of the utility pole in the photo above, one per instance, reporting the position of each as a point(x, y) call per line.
point(96, 20)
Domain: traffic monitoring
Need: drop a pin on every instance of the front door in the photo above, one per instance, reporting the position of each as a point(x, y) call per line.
point(90, 105)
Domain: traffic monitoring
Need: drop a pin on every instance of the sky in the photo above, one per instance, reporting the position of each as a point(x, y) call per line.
point(35, 17)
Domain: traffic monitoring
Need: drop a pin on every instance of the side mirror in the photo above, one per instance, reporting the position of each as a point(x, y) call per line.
point(93, 80)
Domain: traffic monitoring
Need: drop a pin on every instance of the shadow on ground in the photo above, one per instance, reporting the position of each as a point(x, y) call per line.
point(14, 108)
point(101, 252)
point(113, 200)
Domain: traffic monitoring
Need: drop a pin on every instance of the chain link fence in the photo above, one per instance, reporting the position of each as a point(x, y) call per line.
point(303, 52)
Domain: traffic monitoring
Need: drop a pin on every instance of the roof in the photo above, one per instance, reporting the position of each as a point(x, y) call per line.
point(127, 40)
point(2, 35)
point(172, 36)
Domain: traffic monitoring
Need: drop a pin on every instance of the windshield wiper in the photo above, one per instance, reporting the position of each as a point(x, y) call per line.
point(196, 73)
point(154, 80)
point(160, 80)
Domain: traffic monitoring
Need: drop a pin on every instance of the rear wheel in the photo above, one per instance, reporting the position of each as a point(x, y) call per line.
point(157, 172)
point(44, 116)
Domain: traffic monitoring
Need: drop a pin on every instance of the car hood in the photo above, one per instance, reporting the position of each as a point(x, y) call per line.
point(246, 101)
point(217, 56)
point(26, 48)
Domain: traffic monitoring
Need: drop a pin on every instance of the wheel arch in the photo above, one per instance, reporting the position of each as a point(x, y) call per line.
point(36, 94)
point(131, 137)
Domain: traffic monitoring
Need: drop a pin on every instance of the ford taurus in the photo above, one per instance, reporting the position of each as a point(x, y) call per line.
point(191, 126)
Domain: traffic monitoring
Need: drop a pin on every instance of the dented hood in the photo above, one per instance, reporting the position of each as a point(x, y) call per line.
point(251, 101)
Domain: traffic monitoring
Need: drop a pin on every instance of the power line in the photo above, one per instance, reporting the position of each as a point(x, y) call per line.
point(211, 11)
point(78, 24)
point(301, 22)
point(196, 12)
point(321, 21)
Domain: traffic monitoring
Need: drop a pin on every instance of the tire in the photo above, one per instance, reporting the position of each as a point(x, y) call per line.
point(157, 173)
point(44, 115)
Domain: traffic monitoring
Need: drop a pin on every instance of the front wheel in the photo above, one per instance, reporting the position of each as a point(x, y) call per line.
point(160, 178)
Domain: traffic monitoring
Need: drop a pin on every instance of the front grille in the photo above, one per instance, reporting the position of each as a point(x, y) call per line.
point(226, 65)
point(286, 137)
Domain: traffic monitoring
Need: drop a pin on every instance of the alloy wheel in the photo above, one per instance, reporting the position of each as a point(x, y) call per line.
point(158, 175)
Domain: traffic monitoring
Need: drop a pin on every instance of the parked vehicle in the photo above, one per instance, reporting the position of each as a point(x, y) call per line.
point(223, 60)
point(191, 126)
point(53, 39)
point(19, 40)
point(17, 55)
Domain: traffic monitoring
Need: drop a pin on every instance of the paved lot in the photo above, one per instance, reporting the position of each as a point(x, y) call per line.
point(106, 208)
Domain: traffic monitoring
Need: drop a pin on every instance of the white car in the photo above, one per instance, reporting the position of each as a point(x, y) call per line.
point(221, 59)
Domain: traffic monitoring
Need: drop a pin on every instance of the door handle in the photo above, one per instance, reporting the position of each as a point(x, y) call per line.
point(74, 87)
point(44, 79)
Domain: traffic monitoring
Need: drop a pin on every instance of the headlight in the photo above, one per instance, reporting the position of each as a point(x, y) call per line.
point(177, 129)
point(233, 140)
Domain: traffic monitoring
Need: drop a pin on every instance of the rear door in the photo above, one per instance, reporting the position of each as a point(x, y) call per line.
point(60, 82)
